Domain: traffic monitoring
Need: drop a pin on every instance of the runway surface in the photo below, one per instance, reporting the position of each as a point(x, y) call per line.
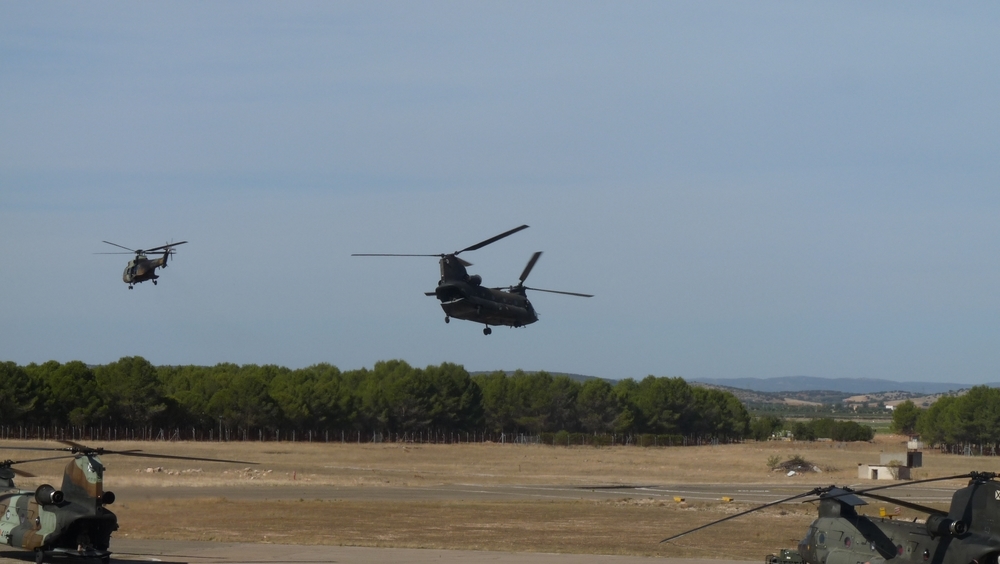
point(136, 551)
point(139, 551)
point(748, 493)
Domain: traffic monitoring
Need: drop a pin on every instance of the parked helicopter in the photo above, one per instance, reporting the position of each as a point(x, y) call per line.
point(141, 268)
point(464, 297)
point(72, 521)
point(967, 533)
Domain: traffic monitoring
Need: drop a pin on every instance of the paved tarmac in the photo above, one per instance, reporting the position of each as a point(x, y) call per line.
point(137, 551)
point(130, 551)
point(748, 493)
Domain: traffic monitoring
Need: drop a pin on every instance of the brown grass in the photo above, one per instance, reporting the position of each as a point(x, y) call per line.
point(625, 526)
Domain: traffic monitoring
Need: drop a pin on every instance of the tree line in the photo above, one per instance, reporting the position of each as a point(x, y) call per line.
point(764, 427)
point(392, 397)
point(969, 419)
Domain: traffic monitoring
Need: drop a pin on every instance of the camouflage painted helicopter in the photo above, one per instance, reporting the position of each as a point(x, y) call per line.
point(141, 268)
point(968, 533)
point(72, 521)
point(464, 297)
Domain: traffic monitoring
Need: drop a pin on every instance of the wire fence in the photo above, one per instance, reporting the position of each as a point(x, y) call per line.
point(228, 434)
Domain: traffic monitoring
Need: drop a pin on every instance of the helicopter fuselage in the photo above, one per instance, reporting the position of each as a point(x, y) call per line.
point(141, 269)
point(464, 297)
point(965, 535)
point(472, 302)
point(71, 522)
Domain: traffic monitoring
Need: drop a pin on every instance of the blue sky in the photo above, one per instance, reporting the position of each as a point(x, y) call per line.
point(749, 189)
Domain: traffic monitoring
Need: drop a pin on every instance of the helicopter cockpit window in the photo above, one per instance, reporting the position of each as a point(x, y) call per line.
point(809, 535)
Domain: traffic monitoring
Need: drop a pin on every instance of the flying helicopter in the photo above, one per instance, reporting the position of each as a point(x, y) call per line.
point(464, 297)
point(967, 533)
point(141, 268)
point(74, 520)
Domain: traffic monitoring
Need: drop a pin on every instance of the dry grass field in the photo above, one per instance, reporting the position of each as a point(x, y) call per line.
point(629, 525)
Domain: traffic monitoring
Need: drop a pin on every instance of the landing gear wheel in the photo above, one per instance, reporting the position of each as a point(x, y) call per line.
point(129, 286)
point(154, 282)
point(447, 319)
point(487, 331)
point(39, 556)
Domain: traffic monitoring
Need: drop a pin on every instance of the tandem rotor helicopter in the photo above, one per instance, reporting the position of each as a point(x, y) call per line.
point(968, 533)
point(464, 297)
point(141, 268)
point(72, 521)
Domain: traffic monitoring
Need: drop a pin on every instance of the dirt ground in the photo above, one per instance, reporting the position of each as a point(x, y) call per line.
point(628, 525)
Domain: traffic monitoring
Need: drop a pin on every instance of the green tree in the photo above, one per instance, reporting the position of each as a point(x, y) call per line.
point(661, 405)
point(937, 424)
point(803, 431)
point(131, 390)
point(456, 401)
point(597, 406)
point(69, 393)
point(499, 409)
point(764, 427)
point(904, 418)
point(18, 394)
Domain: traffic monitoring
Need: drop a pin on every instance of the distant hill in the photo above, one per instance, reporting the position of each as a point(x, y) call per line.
point(577, 377)
point(841, 385)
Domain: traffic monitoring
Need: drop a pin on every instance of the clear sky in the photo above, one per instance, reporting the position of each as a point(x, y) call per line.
point(749, 189)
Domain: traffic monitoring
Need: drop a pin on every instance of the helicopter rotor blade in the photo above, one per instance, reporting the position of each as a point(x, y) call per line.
point(529, 266)
point(478, 245)
point(441, 256)
point(491, 240)
point(44, 449)
point(392, 255)
point(815, 491)
point(973, 475)
point(174, 457)
point(907, 504)
point(73, 444)
point(559, 292)
point(25, 473)
point(75, 448)
point(167, 246)
point(120, 246)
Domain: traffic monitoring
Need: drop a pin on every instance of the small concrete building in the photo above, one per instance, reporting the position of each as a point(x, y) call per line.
point(883, 472)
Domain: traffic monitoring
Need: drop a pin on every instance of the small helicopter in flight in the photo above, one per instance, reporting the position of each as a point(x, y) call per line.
point(141, 268)
point(464, 297)
point(72, 521)
point(966, 533)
